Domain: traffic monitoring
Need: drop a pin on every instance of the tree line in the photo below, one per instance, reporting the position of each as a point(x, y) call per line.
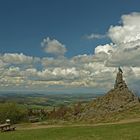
point(20, 113)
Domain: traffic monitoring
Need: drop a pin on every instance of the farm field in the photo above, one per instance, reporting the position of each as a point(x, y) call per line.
point(46, 100)
point(128, 131)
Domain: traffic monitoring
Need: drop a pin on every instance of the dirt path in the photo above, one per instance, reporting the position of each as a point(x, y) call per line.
point(40, 126)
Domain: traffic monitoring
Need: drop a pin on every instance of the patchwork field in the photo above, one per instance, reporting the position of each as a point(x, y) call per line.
point(129, 131)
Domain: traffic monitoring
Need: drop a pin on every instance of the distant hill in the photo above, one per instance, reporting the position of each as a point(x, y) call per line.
point(114, 105)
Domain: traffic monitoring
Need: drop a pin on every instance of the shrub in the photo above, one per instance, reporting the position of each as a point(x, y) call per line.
point(12, 111)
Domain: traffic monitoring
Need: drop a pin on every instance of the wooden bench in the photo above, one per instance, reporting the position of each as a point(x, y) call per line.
point(7, 127)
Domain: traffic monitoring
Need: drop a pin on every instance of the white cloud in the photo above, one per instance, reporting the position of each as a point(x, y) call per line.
point(52, 62)
point(95, 36)
point(108, 49)
point(53, 47)
point(127, 41)
point(2, 64)
point(82, 71)
point(127, 32)
point(15, 58)
point(125, 55)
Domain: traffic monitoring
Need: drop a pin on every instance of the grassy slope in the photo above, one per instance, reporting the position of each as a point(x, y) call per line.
point(128, 131)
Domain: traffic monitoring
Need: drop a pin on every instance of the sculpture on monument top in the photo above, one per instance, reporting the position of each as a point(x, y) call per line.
point(120, 70)
point(120, 83)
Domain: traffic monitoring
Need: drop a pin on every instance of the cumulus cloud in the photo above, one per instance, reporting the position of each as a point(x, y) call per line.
point(53, 47)
point(126, 55)
point(126, 38)
point(2, 64)
point(108, 49)
point(18, 59)
point(127, 32)
point(53, 62)
point(79, 71)
point(14, 58)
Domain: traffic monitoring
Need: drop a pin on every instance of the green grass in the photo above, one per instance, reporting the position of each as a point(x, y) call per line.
point(130, 131)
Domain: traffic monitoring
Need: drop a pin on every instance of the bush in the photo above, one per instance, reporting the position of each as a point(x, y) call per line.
point(12, 111)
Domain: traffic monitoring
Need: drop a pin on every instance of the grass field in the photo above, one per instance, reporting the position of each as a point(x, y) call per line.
point(129, 131)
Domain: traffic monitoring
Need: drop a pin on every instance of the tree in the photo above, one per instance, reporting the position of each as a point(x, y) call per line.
point(12, 111)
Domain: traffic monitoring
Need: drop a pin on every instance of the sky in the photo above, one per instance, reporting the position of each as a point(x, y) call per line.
point(68, 45)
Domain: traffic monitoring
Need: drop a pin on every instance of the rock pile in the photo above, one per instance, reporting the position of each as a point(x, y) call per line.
point(120, 97)
point(116, 100)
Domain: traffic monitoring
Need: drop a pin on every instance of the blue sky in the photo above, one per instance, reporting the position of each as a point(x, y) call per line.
point(25, 23)
point(68, 44)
